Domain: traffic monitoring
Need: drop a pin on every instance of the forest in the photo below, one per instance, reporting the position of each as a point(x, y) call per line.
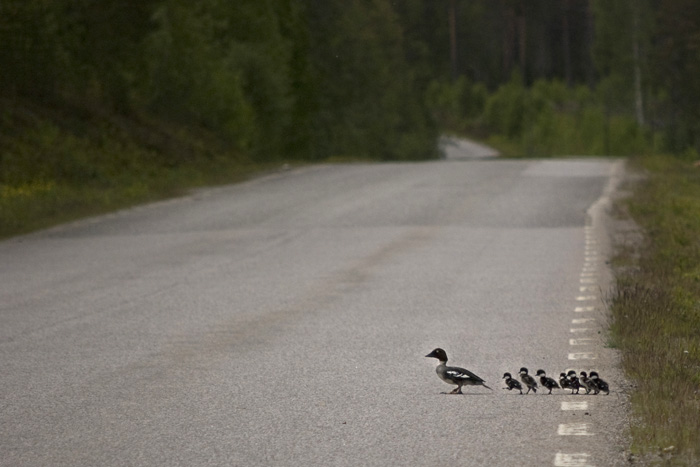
point(105, 103)
point(277, 79)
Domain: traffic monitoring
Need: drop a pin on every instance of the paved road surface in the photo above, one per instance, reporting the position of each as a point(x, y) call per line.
point(284, 321)
point(461, 149)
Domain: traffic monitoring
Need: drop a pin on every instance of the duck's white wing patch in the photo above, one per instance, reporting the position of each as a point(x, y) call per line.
point(457, 374)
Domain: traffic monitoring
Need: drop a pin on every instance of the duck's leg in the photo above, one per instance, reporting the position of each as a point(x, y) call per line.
point(457, 390)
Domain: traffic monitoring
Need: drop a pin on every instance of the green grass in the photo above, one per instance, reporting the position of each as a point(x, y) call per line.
point(656, 311)
point(59, 164)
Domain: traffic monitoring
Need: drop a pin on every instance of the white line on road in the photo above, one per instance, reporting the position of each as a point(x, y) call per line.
point(576, 459)
point(581, 341)
point(582, 356)
point(577, 405)
point(574, 429)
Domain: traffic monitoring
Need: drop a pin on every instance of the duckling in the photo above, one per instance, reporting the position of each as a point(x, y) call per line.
point(546, 381)
point(599, 383)
point(528, 380)
point(564, 382)
point(573, 381)
point(588, 384)
point(511, 383)
point(453, 374)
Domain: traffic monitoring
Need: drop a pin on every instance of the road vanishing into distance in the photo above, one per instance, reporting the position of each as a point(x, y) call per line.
point(284, 321)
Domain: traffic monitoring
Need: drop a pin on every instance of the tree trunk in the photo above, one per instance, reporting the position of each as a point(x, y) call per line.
point(638, 98)
point(567, 44)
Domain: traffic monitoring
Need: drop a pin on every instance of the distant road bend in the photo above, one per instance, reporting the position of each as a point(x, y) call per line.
point(285, 322)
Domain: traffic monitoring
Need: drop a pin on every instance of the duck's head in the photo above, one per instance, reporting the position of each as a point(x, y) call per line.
point(439, 354)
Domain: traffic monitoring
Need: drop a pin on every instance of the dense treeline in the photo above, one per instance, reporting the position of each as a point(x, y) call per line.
point(628, 69)
point(95, 92)
point(271, 76)
point(346, 78)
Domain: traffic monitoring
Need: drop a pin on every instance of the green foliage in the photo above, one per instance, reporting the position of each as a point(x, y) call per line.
point(506, 109)
point(221, 67)
point(655, 309)
point(457, 106)
point(57, 167)
point(358, 60)
point(548, 118)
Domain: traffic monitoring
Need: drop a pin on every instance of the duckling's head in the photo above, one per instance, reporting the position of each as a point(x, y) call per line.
point(571, 373)
point(506, 375)
point(540, 373)
point(439, 354)
point(523, 370)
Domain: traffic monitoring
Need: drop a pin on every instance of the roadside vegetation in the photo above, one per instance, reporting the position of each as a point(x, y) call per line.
point(656, 309)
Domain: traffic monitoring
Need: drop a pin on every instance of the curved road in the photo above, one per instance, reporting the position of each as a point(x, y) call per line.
point(284, 321)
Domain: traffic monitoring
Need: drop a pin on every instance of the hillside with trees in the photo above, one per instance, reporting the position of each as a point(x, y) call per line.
point(146, 97)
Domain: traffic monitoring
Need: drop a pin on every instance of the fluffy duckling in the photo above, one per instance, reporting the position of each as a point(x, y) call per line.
point(601, 385)
point(587, 383)
point(574, 383)
point(546, 381)
point(528, 380)
point(454, 375)
point(511, 383)
point(564, 382)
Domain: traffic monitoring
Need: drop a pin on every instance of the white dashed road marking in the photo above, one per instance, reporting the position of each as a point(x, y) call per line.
point(582, 356)
point(581, 341)
point(574, 429)
point(576, 459)
point(588, 284)
point(574, 405)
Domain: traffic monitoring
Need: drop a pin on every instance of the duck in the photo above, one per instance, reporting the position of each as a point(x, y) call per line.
point(564, 382)
point(573, 381)
point(601, 385)
point(512, 383)
point(588, 384)
point(546, 381)
point(455, 375)
point(528, 380)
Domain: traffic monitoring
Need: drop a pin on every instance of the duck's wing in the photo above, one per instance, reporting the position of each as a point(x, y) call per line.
point(461, 374)
point(552, 382)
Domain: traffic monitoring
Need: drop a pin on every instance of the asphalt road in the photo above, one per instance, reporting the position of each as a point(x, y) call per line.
point(284, 321)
